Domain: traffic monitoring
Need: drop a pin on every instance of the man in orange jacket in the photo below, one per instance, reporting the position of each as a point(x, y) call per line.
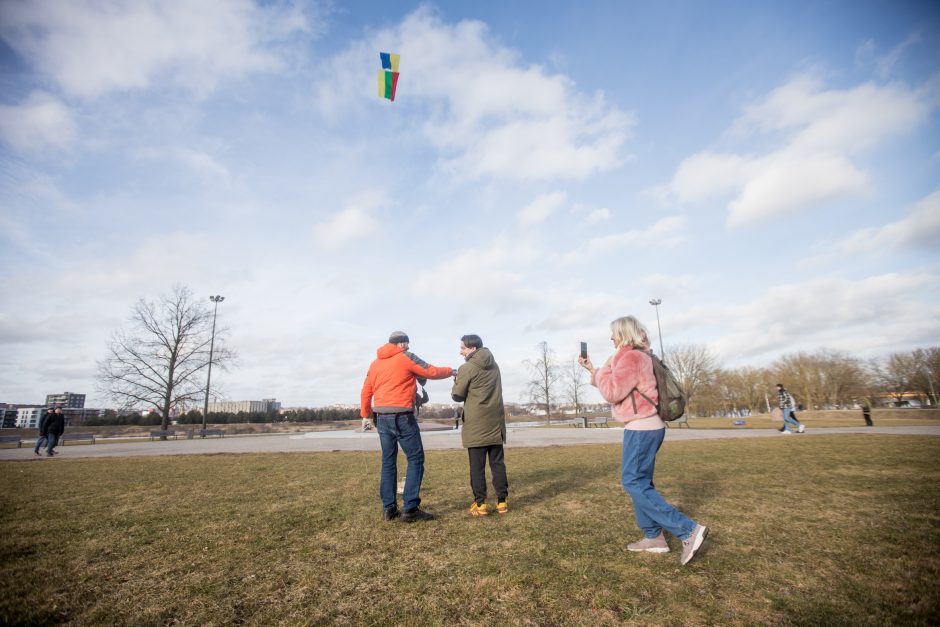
point(388, 396)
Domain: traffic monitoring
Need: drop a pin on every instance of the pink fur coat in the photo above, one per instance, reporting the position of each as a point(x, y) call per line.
point(626, 370)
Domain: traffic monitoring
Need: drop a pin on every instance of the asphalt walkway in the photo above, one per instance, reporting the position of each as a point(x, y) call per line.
point(321, 441)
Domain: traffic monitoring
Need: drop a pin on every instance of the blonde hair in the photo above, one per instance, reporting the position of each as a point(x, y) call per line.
point(630, 332)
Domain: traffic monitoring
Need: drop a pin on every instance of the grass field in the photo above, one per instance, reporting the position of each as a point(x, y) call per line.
point(822, 530)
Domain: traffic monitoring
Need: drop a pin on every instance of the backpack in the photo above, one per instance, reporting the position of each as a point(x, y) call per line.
point(672, 399)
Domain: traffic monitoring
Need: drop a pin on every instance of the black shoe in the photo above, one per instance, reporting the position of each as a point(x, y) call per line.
point(415, 515)
point(36, 451)
point(780, 429)
point(391, 513)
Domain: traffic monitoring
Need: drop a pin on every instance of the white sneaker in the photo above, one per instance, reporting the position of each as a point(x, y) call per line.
point(650, 545)
point(801, 429)
point(691, 546)
point(787, 432)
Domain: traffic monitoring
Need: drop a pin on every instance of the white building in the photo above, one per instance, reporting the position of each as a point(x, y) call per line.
point(29, 417)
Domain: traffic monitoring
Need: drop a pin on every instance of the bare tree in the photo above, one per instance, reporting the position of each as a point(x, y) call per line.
point(927, 368)
point(694, 366)
point(542, 385)
point(573, 376)
point(895, 374)
point(159, 360)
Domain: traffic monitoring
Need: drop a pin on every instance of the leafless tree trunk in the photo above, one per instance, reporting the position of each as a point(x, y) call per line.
point(544, 378)
point(159, 360)
point(575, 383)
point(694, 366)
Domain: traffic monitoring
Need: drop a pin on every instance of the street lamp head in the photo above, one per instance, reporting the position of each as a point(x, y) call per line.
point(655, 302)
point(216, 299)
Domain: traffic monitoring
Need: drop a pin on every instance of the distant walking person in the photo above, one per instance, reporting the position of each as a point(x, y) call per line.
point(866, 412)
point(787, 404)
point(388, 396)
point(55, 427)
point(627, 382)
point(43, 439)
point(479, 387)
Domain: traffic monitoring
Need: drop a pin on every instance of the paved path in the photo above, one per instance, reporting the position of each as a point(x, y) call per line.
point(433, 440)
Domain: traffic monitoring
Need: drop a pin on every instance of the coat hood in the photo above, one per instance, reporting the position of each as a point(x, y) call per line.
point(482, 358)
point(388, 350)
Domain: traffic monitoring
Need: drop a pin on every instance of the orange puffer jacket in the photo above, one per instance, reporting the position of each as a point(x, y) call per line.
point(390, 383)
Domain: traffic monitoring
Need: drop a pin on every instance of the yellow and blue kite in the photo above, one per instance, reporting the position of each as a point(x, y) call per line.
point(388, 75)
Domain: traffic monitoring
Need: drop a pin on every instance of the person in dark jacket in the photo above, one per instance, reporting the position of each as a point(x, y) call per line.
point(479, 387)
point(43, 439)
point(55, 427)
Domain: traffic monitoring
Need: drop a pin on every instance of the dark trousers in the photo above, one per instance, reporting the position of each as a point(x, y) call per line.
point(478, 456)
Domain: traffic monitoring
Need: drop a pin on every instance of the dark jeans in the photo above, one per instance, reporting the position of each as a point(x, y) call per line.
point(395, 429)
point(49, 441)
point(478, 455)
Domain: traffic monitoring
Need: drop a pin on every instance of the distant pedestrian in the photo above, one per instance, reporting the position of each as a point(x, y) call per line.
point(480, 388)
point(388, 397)
point(43, 439)
point(787, 404)
point(55, 427)
point(866, 412)
point(627, 382)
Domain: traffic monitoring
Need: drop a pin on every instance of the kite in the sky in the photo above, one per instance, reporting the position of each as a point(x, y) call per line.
point(388, 75)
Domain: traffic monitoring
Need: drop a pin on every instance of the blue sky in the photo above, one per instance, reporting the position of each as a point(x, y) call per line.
point(770, 170)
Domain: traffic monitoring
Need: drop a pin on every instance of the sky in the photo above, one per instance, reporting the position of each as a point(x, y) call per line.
point(770, 170)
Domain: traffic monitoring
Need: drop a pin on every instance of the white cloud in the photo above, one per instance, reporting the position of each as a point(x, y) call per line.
point(816, 132)
point(90, 48)
point(597, 215)
point(541, 208)
point(884, 64)
point(40, 122)
point(198, 162)
point(868, 315)
point(786, 181)
point(665, 232)
point(921, 229)
point(486, 111)
point(492, 276)
point(353, 222)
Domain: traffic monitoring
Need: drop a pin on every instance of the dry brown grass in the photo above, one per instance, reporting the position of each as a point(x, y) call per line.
point(823, 530)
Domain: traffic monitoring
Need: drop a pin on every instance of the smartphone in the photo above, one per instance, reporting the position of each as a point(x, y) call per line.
point(583, 350)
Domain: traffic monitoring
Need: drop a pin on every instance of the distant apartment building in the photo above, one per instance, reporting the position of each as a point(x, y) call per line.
point(8, 415)
point(29, 417)
point(65, 399)
point(233, 407)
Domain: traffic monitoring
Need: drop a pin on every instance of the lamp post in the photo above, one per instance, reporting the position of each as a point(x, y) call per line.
point(656, 302)
point(205, 408)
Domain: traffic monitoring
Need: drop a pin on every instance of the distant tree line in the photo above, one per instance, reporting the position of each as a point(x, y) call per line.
point(825, 379)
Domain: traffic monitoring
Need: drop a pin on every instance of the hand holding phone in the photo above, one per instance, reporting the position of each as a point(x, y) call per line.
point(583, 350)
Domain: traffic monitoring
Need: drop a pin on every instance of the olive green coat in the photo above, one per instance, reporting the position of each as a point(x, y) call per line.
point(479, 387)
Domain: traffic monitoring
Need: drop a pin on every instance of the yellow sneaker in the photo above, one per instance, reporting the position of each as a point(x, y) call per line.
point(502, 507)
point(479, 510)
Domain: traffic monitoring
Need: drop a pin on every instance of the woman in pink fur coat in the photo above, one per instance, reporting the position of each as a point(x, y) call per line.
point(626, 381)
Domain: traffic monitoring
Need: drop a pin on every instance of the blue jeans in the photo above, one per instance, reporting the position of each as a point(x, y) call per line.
point(49, 441)
point(788, 419)
point(653, 513)
point(394, 430)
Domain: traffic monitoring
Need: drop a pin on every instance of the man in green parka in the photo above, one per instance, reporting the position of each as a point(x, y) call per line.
point(479, 387)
